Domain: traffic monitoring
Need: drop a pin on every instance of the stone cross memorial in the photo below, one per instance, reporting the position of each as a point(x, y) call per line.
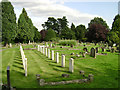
point(71, 65)
point(63, 60)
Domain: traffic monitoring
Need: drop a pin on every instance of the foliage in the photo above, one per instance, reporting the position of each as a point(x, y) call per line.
point(80, 32)
point(97, 32)
point(67, 33)
point(56, 24)
point(9, 26)
point(37, 36)
point(25, 28)
point(68, 42)
point(50, 35)
point(98, 20)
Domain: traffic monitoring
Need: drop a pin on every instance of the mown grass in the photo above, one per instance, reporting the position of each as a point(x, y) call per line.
point(103, 67)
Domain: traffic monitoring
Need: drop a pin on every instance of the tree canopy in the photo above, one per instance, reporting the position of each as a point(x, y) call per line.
point(9, 26)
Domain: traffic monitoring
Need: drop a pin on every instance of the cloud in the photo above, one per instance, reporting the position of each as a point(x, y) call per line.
point(40, 10)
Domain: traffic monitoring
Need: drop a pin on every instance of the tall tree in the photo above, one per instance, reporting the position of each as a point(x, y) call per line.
point(50, 35)
point(98, 20)
point(9, 26)
point(37, 36)
point(25, 27)
point(114, 34)
point(73, 27)
point(97, 32)
point(80, 32)
point(67, 33)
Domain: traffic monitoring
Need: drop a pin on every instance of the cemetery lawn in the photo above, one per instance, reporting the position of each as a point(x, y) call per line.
point(103, 67)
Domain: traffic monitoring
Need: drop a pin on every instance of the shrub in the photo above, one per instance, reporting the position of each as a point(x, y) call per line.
point(68, 42)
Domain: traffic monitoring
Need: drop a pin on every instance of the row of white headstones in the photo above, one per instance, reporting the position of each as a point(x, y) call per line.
point(24, 60)
point(46, 52)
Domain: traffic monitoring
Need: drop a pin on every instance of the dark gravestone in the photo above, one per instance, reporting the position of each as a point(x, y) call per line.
point(96, 49)
point(65, 75)
point(103, 49)
point(93, 53)
point(71, 45)
point(8, 77)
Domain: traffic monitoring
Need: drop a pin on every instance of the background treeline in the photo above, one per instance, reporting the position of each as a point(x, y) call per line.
point(55, 29)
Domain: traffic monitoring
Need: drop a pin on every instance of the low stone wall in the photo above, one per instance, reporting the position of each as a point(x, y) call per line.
point(43, 83)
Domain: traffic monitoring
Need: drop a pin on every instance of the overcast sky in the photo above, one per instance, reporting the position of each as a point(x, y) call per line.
point(76, 11)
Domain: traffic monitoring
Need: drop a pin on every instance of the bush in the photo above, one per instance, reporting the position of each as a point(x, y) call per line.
point(68, 42)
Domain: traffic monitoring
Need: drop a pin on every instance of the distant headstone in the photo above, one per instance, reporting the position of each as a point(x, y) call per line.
point(65, 75)
point(103, 49)
point(57, 57)
point(71, 65)
point(48, 53)
point(10, 45)
point(90, 77)
point(77, 55)
point(52, 55)
point(50, 44)
point(93, 53)
point(72, 54)
point(29, 41)
point(71, 45)
point(63, 60)
point(96, 49)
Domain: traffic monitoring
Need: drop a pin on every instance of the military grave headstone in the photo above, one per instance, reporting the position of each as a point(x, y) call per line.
point(71, 65)
point(63, 60)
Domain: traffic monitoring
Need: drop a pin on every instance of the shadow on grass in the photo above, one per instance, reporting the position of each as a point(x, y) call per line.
point(20, 67)
point(18, 62)
point(61, 70)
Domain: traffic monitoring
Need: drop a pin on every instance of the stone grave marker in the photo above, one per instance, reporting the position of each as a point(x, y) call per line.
point(10, 45)
point(57, 57)
point(96, 49)
point(63, 60)
point(103, 49)
point(52, 55)
point(93, 53)
point(48, 53)
point(71, 65)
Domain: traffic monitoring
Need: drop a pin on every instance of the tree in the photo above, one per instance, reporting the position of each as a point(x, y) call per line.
point(50, 35)
point(67, 33)
point(80, 32)
point(98, 20)
point(97, 32)
point(114, 34)
point(43, 34)
point(56, 24)
point(25, 27)
point(73, 27)
point(37, 36)
point(9, 26)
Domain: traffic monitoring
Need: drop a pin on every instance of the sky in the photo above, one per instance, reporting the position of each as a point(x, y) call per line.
point(76, 11)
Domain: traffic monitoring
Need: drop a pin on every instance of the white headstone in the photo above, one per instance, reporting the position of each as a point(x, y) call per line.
point(25, 66)
point(50, 44)
point(52, 55)
point(29, 41)
point(38, 47)
point(71, 65)
point(10, 45)
point(43, 50)
point(63, 61)
point(57, 57)
point(48, 53)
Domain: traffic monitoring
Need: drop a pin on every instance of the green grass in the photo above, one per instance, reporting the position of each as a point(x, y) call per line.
point(104, 68)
